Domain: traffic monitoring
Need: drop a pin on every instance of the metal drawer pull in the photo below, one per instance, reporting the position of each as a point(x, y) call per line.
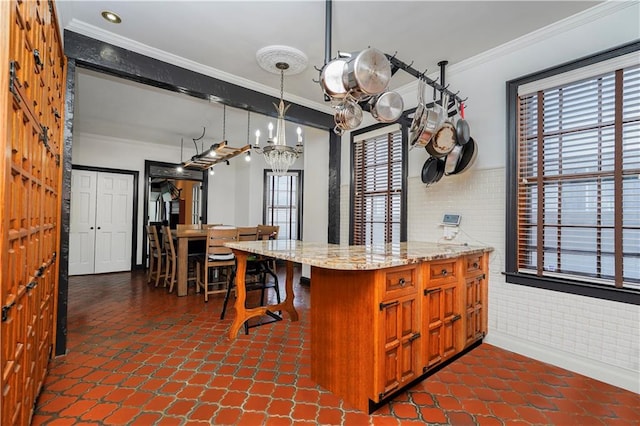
point(475, 265)
point(401, 282)
point(443, 272)
point(384, 306)
point(414, 337)
point(456, 318)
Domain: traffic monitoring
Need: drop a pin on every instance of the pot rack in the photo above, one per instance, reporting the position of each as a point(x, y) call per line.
point(218, 152)
point(223, 153)
point(396, 64)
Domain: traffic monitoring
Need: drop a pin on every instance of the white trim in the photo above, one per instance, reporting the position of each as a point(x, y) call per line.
point(590, 71)
point(616, 376)
point(582, 18)
point(377, 132)
point(92, 31)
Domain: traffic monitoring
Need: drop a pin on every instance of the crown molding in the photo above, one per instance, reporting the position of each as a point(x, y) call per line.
point(599, 11)
point(92, 31)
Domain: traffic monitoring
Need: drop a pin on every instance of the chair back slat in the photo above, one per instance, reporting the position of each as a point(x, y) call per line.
point(247, 233)
point(152, 233)
point(216, 237)
point(268, 232)
point(167, 239)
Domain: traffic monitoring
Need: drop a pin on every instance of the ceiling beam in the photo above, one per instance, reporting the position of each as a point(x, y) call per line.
point(108, 58)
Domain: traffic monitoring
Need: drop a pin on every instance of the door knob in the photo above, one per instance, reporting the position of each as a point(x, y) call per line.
point(91, 227)
point(98, 227)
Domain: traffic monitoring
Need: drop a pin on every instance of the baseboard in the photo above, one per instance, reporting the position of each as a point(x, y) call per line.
point(305, 281)
point(616, 376)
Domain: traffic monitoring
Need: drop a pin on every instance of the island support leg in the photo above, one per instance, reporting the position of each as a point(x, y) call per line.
point(242, 313)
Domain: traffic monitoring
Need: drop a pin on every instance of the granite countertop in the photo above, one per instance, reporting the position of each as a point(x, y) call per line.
point(334, 256)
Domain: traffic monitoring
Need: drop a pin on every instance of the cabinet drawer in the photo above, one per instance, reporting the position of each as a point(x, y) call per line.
point(442, 271)
point(473, 264)
point(399, 282)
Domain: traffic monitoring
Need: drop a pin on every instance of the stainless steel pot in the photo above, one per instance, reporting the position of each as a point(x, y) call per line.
point(367, 73)
point(387, 107)
point(331, 79)
point(348, 116)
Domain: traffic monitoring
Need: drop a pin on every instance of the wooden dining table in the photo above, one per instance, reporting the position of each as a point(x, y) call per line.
point(184, 237)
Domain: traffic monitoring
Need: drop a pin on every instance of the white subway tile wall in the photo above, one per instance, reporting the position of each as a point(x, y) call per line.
point(587, 328)
point(600, 330)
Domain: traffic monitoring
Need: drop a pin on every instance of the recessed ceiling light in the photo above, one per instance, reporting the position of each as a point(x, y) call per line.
point(111, 17)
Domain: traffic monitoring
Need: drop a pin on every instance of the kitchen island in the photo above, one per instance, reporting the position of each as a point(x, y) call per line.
point(382, 316)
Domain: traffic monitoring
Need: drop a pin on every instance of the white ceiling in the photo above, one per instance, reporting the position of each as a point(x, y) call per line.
point(220, 38)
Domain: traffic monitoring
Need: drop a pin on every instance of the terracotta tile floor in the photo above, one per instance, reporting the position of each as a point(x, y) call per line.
point(140, 356)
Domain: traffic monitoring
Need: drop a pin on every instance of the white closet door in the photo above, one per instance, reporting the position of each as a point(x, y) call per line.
point(82, 227)
point(114, 211)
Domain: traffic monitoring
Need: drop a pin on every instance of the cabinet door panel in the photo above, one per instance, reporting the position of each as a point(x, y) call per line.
point(433, 346)
point(433, 318)
point(474, 309)
point(401, 350)
point(442, 315)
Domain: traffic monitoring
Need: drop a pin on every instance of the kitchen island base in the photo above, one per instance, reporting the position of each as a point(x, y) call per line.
point(382, 316)
point(376, 332)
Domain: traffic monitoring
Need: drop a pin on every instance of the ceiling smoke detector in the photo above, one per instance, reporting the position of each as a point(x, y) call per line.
point(270, 56)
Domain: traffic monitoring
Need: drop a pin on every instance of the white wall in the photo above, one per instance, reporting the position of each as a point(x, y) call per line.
point(101, 151)
point(235, 191)
point(597, 338)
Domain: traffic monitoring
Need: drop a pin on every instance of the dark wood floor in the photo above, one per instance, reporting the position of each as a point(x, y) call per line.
point(137, 355)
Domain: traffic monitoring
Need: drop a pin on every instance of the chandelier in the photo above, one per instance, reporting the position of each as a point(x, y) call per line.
point(278, 155)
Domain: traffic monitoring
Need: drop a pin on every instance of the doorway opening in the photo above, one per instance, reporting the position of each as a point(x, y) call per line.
point(172, 197)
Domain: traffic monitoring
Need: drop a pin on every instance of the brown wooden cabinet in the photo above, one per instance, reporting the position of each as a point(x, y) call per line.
point(375, 331)
point(475, 289)
point(31, 124)
point(399, 325)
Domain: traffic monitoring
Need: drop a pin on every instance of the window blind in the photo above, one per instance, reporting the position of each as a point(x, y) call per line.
point(579, 180)
point(377, 187)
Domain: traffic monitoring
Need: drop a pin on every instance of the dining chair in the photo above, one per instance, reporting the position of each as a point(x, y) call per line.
point(270, 232)
point(195, 249)
point(156, 255)
point(217, 257)
point(258, 267)
point(170, 258)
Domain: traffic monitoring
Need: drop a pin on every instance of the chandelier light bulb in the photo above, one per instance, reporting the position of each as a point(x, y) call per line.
point(247, 157)
point(299, 132)
point(270, 127)
point(179, 169)
point(257, 137)
point(211, 172)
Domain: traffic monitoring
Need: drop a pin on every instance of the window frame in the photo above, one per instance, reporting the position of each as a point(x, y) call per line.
point(404, 163)
point(564, 285)
point(265, 192)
